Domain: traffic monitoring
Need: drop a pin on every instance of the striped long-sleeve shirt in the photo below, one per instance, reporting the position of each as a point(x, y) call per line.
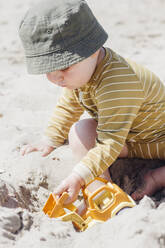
point(126, 100)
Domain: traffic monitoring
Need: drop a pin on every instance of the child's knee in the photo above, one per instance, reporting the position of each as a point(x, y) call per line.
point(77, 147)
point(82, 135)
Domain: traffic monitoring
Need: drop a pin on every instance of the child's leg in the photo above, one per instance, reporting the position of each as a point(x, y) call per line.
point(154, 180)
point(82, 137)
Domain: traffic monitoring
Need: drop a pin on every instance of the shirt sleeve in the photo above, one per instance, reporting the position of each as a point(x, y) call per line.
point(67, 111)
point(118, 102)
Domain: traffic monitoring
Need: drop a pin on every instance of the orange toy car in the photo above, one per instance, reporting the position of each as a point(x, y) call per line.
point(103, 203)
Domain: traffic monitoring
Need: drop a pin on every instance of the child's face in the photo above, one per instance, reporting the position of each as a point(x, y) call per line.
point(76, 75)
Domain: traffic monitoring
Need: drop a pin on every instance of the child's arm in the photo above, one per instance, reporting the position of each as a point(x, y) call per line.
point(67, 111)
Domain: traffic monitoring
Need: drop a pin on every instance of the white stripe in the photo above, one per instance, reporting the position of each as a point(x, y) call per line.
point(69, 108)
point(113, 140)
point(157, 136)
point(117, 152)
point(57, 135)
point(68, 100)
point(159, 116)
point(119, 136)
point(141, 150)
point(53, 134)
point(140, 72)
point(87, 99)
point(135, 152)
point(157, 92)
point(118, 122)
point(116, 62)
point(131, 153)
point(120, 75)
point(160, 106)
point(149, 152)
point(47, 140)
point(147, 110)
point(148, 96)
point(107, 116)
point(61, 118)
point(54, 123)
point(153, 133)
point(109, 155)
point(145, 130)
point(126, 106)
point(145, 81)
point(117, 91)
point(157, 149)
point(84, 92)
point(149, 83)
point(117, 68)
point(110, 84)
point(67, 113)
point(122, 137)
point(121, 98)
point(142, 123)
point(97, 155)
point(94, 162)
point(114, 130)
point(88, 106)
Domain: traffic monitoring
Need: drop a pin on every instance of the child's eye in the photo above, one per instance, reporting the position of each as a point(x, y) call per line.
point(66, 69)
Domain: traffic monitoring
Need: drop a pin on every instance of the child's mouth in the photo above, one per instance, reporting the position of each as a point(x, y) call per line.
point(61, 84)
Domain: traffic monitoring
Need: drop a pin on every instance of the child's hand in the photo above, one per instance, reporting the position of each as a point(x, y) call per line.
point(72, 185)
point(44, 148)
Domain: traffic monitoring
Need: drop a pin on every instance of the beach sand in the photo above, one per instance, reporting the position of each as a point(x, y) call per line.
point(136, 30)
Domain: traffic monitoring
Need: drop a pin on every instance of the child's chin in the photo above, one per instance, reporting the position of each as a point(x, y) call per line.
point(71, 87)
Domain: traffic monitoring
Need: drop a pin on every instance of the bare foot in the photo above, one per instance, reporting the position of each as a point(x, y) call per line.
point(149, 187)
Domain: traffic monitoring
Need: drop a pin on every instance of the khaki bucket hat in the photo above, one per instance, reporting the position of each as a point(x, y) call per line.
point(59, 33)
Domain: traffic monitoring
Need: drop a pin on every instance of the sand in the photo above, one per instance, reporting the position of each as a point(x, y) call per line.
point(136, 30)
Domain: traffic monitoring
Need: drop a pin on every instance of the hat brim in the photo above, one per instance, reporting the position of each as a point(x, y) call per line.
point(62, 59)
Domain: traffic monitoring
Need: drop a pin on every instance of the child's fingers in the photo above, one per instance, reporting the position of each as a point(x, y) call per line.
point(23, 150)
point(60, 189)
point(65, 188)
point(27, 149)
point(72, 191)
point(47, 151)
point(31, 149)
point(71, 185)
point(72, 196)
